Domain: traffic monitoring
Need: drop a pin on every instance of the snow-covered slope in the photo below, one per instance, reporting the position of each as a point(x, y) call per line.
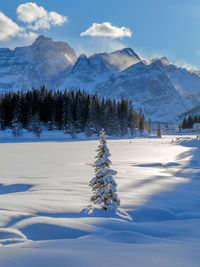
point(160, 88)
point(43, 193)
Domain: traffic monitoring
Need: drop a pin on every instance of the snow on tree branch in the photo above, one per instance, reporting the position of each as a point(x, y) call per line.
point(103, 184)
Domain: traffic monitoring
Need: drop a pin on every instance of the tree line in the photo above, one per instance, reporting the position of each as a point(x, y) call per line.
point(187, 123)
point(71, 112)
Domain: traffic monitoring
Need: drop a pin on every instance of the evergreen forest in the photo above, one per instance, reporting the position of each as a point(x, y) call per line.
point(188, 123)
point(70, 111)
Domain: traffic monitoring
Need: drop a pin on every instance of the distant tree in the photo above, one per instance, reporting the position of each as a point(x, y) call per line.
point(69, 123)
point(141, 122)
point(159, 130)
point(35, 125)
point(71, 127)
point(50, 125)
point(149, 126)
point(132, 119)
point(16, 127)
point(184, 123)
point(88, 131)
point(195, 119)
point(90, 127)
point(190, 122)
point(111, 124)
point(59, 110)
point(18, 114)
point(123, 116)
point(103, 184)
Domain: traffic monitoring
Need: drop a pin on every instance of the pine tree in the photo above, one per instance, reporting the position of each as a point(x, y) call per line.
point(16, 127)
point(132, 119)
point(158, 131)
point(16, 123)
point(103, 184)
point(190, 122)
point(149, 126)
point(184, 123)
point(141, 122)
point(90, 123)
point(35, 125)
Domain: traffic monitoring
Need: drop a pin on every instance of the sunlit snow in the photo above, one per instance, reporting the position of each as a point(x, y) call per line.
point(44, 188)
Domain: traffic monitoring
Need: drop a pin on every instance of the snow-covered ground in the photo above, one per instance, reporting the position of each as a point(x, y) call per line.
point(44, 187)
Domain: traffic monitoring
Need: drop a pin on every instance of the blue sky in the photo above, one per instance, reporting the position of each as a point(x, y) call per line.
point(152, 28)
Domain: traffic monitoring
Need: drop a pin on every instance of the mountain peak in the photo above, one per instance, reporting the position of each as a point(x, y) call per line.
point(121, 59)
point(160, 61)
point(165, 61)
point(82, 64)
point(42, 39)
point(82, 56)
point(46, 48)
point(129, 51)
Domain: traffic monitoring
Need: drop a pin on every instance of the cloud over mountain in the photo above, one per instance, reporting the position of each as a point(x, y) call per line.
point(8, 28)
point(34, 18)
point(37, 17)
point(106, 29)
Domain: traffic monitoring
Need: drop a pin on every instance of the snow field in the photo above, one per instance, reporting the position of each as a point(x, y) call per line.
point(44, 187)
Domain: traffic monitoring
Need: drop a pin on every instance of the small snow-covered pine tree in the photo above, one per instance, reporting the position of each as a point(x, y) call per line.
point(103, 184)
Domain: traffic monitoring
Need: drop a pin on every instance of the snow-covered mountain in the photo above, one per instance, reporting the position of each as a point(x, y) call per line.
point(86, 73)
point(90, 71)
point(186, 82)
point(35, 65)
point(149, 87)
point(161, 89)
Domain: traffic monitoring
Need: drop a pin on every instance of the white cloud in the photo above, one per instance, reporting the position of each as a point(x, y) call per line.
point(37, 17)
point(12, 34)
point(56, 18)
point(30, 12)
point(106, 29)
point(8, 28)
